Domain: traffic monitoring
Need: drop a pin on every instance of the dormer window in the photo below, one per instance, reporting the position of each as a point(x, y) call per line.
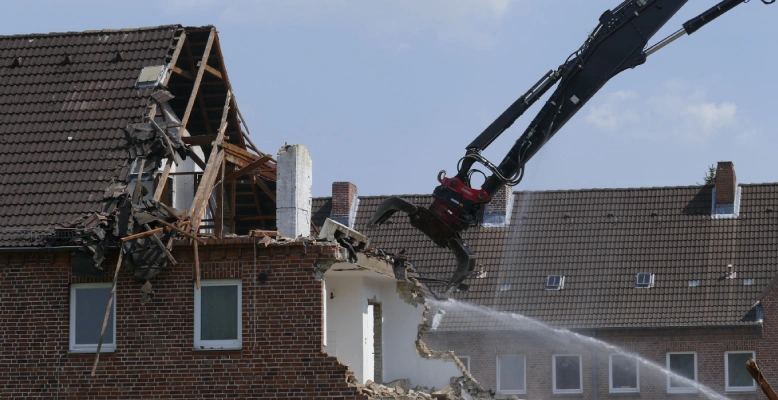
point(644, 280)
point(555, 282)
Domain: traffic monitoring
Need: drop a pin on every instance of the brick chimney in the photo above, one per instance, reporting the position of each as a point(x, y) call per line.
point(293, 191)
point(497, 211)
point(726, 183)
point(344, 203)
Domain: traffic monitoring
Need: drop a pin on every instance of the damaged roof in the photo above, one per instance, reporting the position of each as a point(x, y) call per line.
point(66, 102)
point(599, 240)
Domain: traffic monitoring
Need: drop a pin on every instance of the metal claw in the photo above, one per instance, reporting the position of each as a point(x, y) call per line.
point(436, 229)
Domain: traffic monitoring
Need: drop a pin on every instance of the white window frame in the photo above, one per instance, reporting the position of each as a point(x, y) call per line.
point(524, 359)
point(200, 344)
point(667, 365)
point(90, 348)
point(729, 388)
point(611, 389)
point(554, 390)
point(469, 367)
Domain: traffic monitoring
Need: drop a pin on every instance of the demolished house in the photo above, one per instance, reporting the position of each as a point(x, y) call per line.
point(148, 249)
point(682, 276)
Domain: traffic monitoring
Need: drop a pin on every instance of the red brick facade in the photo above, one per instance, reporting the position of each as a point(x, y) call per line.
point(499, 203)
point(343, 197)
point(710, 344)
point(726, 183)
point(281, 355)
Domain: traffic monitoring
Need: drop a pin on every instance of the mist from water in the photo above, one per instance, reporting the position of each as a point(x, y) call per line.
point(458, 309)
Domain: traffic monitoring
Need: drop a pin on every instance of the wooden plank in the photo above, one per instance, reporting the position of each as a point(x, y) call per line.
point(162, 246)
point(248, 168)
point(259, 182)
point(213, 71)
point(260, 233)
point(200, 140)
point(197, 265)
point(218, 217)
point(185, 74)
point(142, 234)
point(188, 110)
point(181, 231)
point(209, 175)
point(108, 310)
point(197, 160)
point(756, 373)
point(176, 53)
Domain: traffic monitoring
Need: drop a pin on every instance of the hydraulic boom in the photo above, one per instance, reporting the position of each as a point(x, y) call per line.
point(617, 43)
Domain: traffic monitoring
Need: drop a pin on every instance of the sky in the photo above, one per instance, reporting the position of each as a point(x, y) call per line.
point(387, 93)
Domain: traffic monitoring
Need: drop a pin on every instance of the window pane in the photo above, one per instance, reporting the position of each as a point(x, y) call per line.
point(683, 365)
point(90, 311)
point(736, 369)
point(567, 373)
point(625, 372)
point(219, 312)
point(511, 373)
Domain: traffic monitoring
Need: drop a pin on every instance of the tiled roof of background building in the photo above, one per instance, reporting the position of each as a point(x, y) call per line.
point(599, 240)
point(64, 101)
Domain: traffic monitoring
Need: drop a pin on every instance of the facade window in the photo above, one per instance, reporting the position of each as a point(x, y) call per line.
point(217, 311)
point(87, 311)
point(465, 360)
point(737, 377)
point(567, 374)
point(511, 374)
point(683, 364)
point(624, 374)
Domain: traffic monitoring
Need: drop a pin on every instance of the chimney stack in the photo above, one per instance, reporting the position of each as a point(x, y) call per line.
point(344, 202)
point(498, 210)
point(726, 183)
point(293, 191)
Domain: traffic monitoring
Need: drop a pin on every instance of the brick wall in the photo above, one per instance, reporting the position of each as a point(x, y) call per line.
point(499, 203)
point(281, 355)
point(726, 183)
point(653, 344)
point(342, 199)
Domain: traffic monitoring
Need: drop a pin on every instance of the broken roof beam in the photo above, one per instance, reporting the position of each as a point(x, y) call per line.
point(176, 54)
point(213, 71)
point(188, 110)
point(211, 169)
point(248, 168)
point(242, 158)
point(199, 140)
point(183, 73)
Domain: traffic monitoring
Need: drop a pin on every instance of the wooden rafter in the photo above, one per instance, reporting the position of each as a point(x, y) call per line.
point(176, 53)
point(187, 111)
point(211, 169)
point(200, 140)
point(183, 73)
point(248, 168)
point(202, 65)
point(259, 206)
point(213, 71)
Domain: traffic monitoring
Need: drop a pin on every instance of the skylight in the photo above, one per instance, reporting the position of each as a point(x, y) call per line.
point(694, 283)
point(749, 281)
point(555, 282)
point(644, 280)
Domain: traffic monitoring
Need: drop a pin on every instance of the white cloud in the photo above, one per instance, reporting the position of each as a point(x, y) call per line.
point(676, 112)
point(470, 22)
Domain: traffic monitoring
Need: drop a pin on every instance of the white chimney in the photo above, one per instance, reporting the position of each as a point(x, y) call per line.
point(293, 191)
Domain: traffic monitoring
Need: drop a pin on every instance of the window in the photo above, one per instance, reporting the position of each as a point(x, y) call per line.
point(465, 360)
point(685, 366)
point(644, 280)
point(694, 283)
point(624, 375)
point(737, 377)
point(511, 375)
point(218, 315)
point(87, 312)
point(567, 374)
point(555, 282)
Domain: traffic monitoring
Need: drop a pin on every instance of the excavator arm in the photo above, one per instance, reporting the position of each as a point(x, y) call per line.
point(617, 43)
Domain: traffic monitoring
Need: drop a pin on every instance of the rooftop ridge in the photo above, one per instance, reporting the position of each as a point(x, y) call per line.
point(93, 31)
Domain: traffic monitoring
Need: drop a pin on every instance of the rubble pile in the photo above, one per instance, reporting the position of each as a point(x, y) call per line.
point(403, 389)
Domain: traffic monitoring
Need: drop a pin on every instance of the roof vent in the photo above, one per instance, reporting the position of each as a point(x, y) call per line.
point(151, 76)
point(16, 62)
point(555, 282)
point(644, 280)
point(731, 274)
point(118, 57)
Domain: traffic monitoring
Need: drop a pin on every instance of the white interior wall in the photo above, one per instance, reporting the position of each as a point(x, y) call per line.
point(346, 314)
